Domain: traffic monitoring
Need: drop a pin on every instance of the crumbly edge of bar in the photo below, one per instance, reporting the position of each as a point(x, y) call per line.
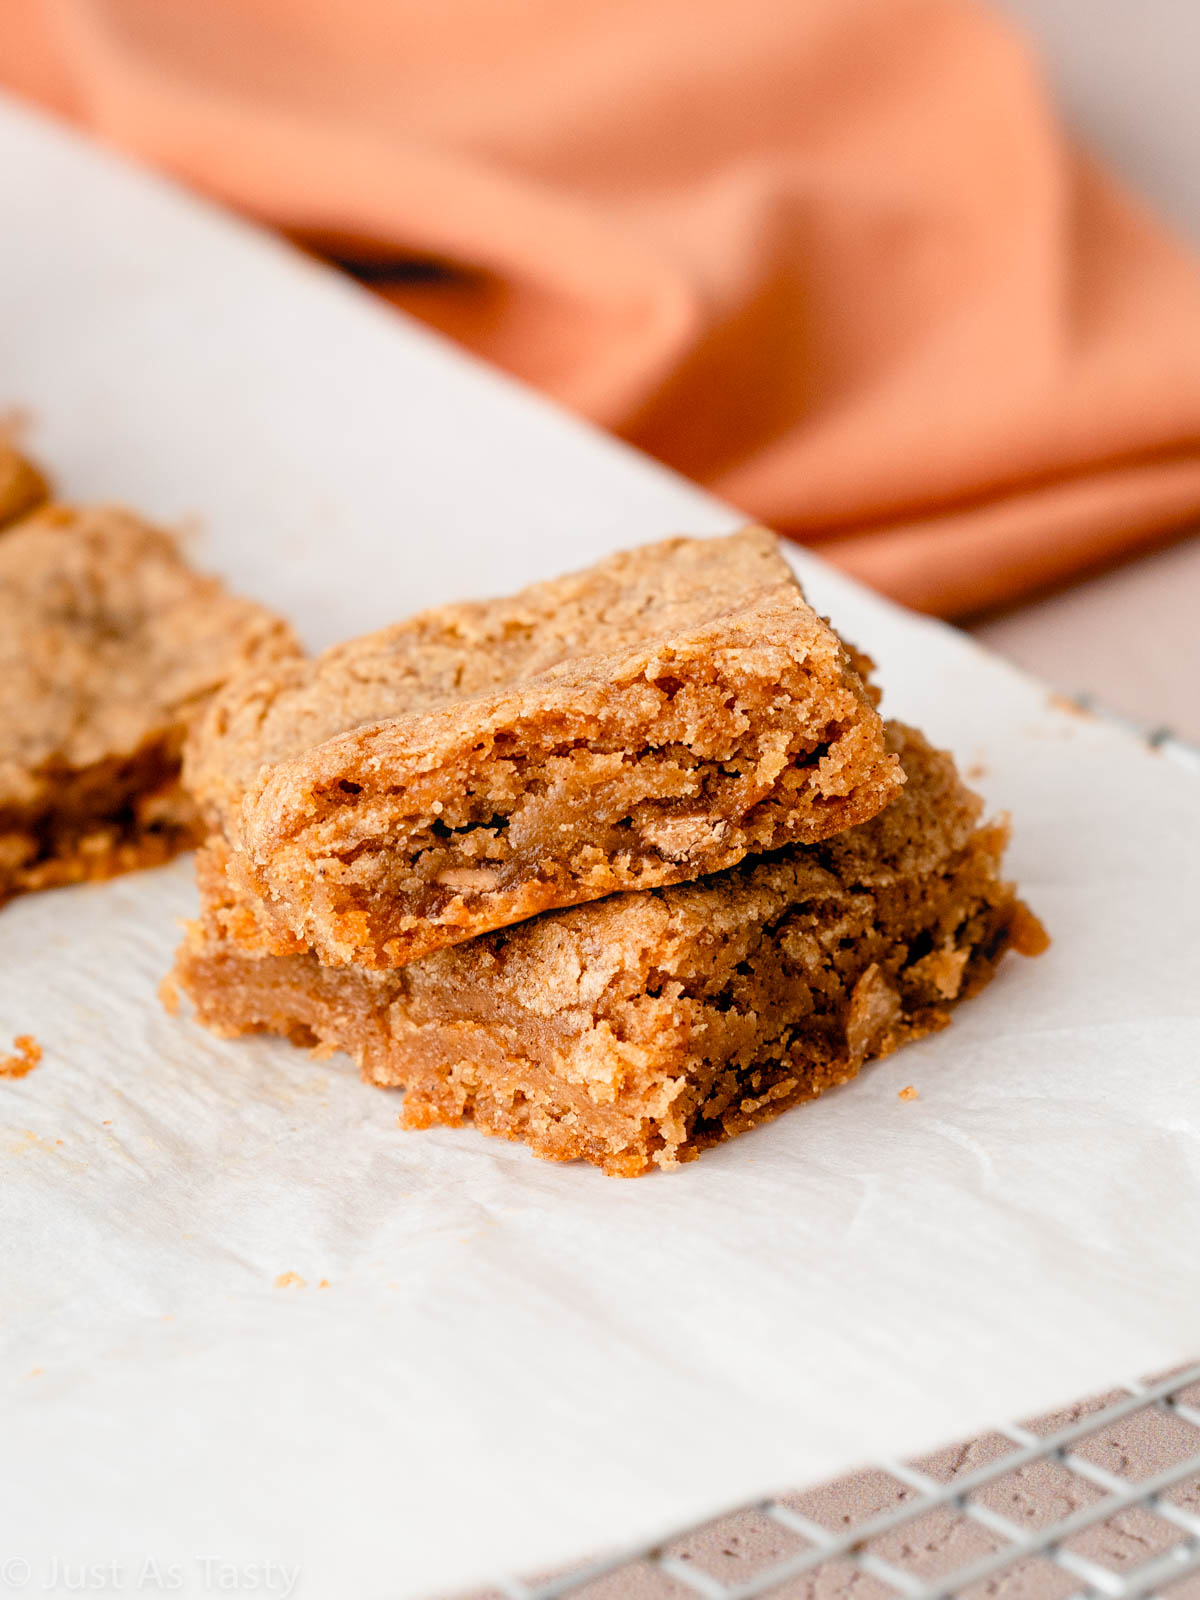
point(384, 869)
point(117, 816)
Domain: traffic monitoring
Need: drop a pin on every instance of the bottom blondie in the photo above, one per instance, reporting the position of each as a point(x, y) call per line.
point(637, 1030)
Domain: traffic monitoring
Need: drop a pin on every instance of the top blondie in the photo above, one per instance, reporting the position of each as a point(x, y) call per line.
point(647, 721)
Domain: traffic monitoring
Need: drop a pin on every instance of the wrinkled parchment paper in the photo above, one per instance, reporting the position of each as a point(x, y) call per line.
point(493, 1362)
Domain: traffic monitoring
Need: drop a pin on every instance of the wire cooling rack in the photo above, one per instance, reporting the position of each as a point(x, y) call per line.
point(1027, 1557)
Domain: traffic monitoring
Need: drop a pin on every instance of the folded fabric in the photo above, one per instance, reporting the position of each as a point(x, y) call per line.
point(835, 260)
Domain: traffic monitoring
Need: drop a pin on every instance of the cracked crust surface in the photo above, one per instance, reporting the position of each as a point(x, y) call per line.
point(110, 645)
point(640, 1029)
point(652, 719)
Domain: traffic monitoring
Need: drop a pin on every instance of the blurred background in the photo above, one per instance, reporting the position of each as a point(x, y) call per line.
point(914, 281)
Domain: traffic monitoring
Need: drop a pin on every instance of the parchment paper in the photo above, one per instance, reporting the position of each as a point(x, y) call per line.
point(514, 1362)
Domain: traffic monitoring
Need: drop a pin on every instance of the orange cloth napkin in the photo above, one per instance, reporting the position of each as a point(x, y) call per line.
point(834, 259)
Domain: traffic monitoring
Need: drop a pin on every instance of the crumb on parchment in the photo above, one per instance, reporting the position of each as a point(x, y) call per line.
point(290, 1280)
point(1069, 707)
point(909, 1093)
point(28, 1054)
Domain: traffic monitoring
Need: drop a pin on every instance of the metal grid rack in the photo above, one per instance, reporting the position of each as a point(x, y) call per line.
point(1177, 1396)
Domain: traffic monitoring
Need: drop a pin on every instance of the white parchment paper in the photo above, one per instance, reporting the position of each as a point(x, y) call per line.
point(514, 1362)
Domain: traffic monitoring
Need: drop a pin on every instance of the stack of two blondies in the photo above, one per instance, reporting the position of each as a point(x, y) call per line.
point(619, 866)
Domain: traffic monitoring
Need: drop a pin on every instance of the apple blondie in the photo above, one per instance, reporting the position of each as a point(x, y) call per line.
point(110, 644)
point(637, 1030)
point(652, 719)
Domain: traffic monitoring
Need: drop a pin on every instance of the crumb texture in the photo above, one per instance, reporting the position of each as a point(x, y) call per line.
point(636, 1031)
point(27, 1054)
point(645, 722)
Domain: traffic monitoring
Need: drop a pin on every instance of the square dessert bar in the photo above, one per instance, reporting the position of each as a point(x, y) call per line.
point(652, 719)
point(109, 646)
point(640, 1029)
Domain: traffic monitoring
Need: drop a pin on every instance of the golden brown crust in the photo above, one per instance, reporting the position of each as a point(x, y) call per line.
point(110, 645)
point(22, 485)
point(642, 723)
point(638, 1030)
